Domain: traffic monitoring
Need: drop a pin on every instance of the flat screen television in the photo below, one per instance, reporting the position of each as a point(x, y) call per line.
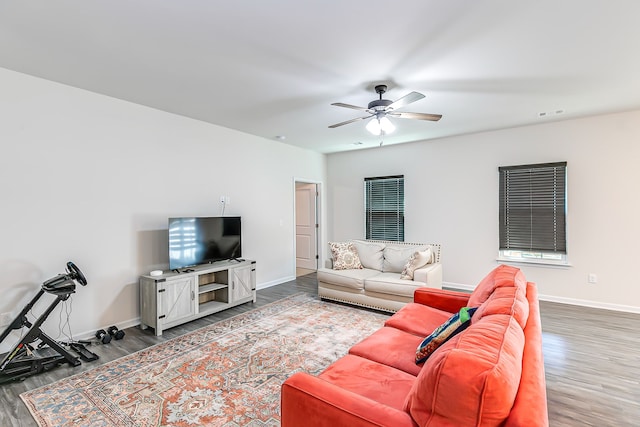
point(202, 240)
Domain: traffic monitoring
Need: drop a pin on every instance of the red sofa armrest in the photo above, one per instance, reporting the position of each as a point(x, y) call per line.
point(530, 406)
point(310, 401)
point(450, 301)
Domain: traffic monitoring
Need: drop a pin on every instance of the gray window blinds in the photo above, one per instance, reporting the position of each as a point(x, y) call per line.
point(533, 207)
point(384, 208)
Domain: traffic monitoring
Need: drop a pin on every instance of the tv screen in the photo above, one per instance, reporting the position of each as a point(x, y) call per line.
point(194, 240)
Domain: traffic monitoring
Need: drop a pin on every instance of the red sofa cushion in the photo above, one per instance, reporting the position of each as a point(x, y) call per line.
point(310, 401)
point(501, 276)
point(473, 378)
point(384, 384)
point(391, 347)
point(418, 319)
point(511, 301)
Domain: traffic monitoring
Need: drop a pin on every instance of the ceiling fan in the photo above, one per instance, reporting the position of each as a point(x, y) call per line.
point(381, 109)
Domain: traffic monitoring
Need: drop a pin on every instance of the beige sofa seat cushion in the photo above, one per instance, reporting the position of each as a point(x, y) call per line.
point(392, 284)
point(370, 253)
point(396, 257)
point(353, 279)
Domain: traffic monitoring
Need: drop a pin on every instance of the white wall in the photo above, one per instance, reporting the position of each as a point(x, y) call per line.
point(451, 193)
point(93, 179)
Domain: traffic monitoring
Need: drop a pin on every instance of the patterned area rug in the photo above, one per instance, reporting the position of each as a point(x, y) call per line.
point(226, 374)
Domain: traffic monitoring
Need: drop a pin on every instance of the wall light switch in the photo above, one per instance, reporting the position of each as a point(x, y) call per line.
point(593, 278)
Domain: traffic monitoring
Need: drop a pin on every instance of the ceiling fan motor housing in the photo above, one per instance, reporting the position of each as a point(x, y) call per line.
point(380, 104)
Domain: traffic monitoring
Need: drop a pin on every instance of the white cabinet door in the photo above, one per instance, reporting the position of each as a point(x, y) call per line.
point(177, 298)
point(241, 287)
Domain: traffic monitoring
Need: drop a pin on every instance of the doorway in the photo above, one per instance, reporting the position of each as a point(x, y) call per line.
point(306, 218)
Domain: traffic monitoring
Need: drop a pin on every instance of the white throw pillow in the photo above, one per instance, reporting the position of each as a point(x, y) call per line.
point(395, 257)
point(417, 260)
point(370, 254)
point(345, 256)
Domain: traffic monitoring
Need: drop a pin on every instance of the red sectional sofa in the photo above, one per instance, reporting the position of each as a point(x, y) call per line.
point(490, 374)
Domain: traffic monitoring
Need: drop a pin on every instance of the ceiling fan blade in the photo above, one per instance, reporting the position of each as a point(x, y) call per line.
point(353, 107)
point(349, 121)
point(419, 116)
point(405, 100)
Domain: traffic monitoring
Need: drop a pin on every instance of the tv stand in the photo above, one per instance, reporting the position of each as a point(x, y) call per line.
point(179, 297)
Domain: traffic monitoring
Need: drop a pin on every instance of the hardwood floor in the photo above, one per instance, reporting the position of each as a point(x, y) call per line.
point(592, 365)
point(592, 361)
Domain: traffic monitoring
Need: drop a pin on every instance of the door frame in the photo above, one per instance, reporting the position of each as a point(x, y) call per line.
point(318, 185)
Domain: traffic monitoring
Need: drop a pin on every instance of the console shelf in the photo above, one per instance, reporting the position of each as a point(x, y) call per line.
point(179, 297)
point(211, 287)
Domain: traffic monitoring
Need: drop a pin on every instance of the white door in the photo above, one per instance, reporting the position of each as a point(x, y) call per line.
point(306, 229)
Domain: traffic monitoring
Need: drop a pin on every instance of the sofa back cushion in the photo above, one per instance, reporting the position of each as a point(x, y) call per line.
point(472, 380)
point(505, 300)
point(397, 256)
point(370, 253)
point(501, 276)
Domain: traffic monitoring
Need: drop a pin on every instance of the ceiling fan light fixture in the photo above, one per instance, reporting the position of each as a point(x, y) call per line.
point(374, 126)
point(386, 125)
point(380, 125)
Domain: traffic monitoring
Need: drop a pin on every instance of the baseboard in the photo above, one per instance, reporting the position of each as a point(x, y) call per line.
point(275, 282)
point(591, 304)
point(91, 335)
point(561, 300)
point(457, 287)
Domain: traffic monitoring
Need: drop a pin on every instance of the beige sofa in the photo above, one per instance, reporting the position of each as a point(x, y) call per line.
point(378, 284)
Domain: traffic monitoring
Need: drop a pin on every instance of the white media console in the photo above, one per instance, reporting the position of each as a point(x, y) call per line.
point(175, 298)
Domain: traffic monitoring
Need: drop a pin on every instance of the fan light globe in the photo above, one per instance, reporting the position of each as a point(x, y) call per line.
point(386, 125)
point(374, 126)
point(379, 125)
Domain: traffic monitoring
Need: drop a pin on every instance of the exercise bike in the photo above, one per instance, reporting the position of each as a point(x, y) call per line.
point(25, 359)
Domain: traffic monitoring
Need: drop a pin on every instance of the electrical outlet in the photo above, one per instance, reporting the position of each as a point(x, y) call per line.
point(593, 278)
point(227, 199)
point(222, 199)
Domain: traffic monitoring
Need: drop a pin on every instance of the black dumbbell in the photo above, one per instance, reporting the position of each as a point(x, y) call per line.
point(115, 332)
point(103, 336)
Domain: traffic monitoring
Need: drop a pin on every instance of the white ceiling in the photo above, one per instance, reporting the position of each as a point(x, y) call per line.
point(274, 67)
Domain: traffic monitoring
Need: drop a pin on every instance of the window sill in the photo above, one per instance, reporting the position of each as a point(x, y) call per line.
point(541, 263)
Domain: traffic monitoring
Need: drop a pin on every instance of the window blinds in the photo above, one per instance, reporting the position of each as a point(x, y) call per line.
point(384, 208)
point(533, 207)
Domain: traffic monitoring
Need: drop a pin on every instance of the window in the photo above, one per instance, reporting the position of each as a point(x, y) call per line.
point(384, 208)
point(533, 213)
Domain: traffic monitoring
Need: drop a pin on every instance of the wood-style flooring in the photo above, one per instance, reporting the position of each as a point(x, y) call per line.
point(592, 361)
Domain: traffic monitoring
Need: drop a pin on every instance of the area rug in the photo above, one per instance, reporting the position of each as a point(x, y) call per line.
point(226, 374)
